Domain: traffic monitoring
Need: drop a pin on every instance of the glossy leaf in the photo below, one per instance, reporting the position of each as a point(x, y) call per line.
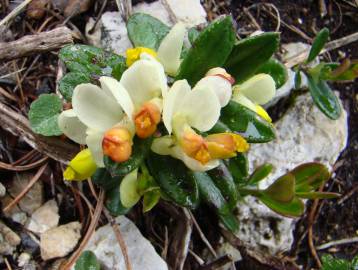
point(317, 195)
point(282, 190)
point(150, 199)
point(324, 98)
point(346, 71)
point(129, 189)
point(294, 208)
point(276, 70)
point(174, 180)
point(113, 202)
point(310, 176)
point(141, 148)
point(318, 44)
point(102, 178)
point(70, 81)
point(230, 221)
point(193, 33)
point(224, 181)
point(87, 261)
point(247, 123)
point(239, 168)
point(43, 115)
point(210, 49)
point(146, 31)
point(260, 173)
point(298, 79)
point(249, 54)
point(331, 263)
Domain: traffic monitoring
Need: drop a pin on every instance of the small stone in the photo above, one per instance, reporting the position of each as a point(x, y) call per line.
point(155, 9)
point(93, 38)
point(189, 12)
point(2, 190)
point(23, 259)
point(44, 218)
point(60, 241)
point(33, 199)
point(9, 240)
point(141, 253)
point(15, 213)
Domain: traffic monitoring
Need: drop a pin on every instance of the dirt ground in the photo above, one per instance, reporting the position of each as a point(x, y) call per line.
point(298, 21)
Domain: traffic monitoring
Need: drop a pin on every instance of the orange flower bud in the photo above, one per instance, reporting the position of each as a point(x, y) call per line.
point(146, 120)
point(195, 147)
point(117, 144)
point(225, 145)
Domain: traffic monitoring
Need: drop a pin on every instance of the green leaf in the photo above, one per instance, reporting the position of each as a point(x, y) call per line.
point(346, 71)
point(87, 261)
point(298, 79)
point(210, 49)
point(141, 148)
point(129, 189)
point(324, 98)
point(249, 54)
point(239, 168)
point(146, 31)
point(276, 70)
point(113, 202)
point(224, 181)
point(282, 190)
point(331, 263)
point(174, 180)
point(213, 197)
point(260, 173)
point(102, 178)
point(44, 113)
point(193, 34)
point(150, 199)
point(294, 208)
point(70, 81)
point(318, 44)
point(247, 123)
point(310, 176)
point(317, 195)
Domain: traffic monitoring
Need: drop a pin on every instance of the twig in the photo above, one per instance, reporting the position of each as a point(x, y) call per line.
point(26, 189)
point(6, 94)
point(196, 257)
point(348, 195)
point(8, 266)
point(202, 235)
point(98, 17)
point(217, 263)
point(301, 57)
point(338, 242)
point(119, 237)
point(15, 12)
point(37, 43)
point(254, 22)
point(22, 168)
point(90, 231)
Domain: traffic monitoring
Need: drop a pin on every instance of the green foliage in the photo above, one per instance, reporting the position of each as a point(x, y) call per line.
point(146, 31)
point(193, 33)
point(87, 261)
point(252, 127)
point(43, 115)
point(318, 44)
point(346, 71)
point(259, 174)
point(70, 81)
point(331, 263)
point(249, 54)
point(210, 49)
point(113, 202)
point(324, 97)
point(239, 168)
point(276, 70)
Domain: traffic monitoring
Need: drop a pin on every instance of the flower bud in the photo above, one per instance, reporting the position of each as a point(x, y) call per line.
point(225, 145)
point(146, 120)
point(81, 167)
point(195, 147)
point(117, 144)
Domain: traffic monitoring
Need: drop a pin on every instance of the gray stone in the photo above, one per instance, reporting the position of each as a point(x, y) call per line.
point(2, 190)
point(141, 253)
point(60, 241)
point(15, 213)
point(9, 240)
point(304, 134)
point(23, 259)
point(44, 218)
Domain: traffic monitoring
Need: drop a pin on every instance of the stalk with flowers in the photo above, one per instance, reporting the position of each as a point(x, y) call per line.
point(174, 120)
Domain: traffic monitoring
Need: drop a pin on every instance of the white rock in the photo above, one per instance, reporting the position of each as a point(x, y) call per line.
point(44, 218)
point(156, 9)
point(189, 12)
point(2, 190)
point(23, 259)
point(304, 134)
point(9, 240)
point(141, 253)
point(60, 241)
point(94, 38)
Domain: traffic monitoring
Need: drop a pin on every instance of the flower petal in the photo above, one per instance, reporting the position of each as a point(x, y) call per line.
point(243, 100)
point(170, 49)
point(259, 89)
point(95, 108)
point(144, 80)
point(163, 145)
point(173, 100)
point(128, 189)
point(81, 167)
point(201, 108)
point(94, 142)
point(221, 87)
point(72, 127)
point(114, 88)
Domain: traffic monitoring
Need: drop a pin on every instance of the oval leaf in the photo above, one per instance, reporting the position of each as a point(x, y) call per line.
point(260, 173)
point(318, 44)
point(113, 202)
point(276, 70)
point(310, 176)
point(247, 123)
point(250, 53)
point(102, 178)
point(70, 81)
point(87, 261)
point(43, 115)
point(146, 31)
point(317, 195)
point(295, 208)
point(210, 49)
point(128, 189)
point(346, 71)
point(150, 199)
point(282, 190)
point(324, 98)
point(174, 180)
point(239, 168)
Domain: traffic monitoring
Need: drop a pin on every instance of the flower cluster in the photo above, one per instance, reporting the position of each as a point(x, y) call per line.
point(107, 117)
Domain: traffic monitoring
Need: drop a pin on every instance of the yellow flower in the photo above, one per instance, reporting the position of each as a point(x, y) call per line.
point(81, 167)
point(134, 54)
